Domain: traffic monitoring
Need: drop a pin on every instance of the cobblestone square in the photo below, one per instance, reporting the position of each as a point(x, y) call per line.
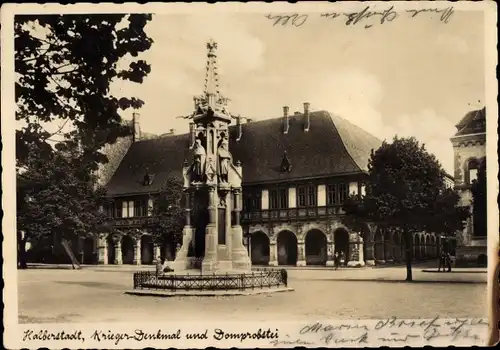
point(96, 294)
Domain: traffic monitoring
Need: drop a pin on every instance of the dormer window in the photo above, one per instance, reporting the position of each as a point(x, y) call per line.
point(286, 165)
point(148, 179)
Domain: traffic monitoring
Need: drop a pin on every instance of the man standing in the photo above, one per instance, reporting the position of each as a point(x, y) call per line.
point(442, 259)
point(336, 260)
point(448, 262)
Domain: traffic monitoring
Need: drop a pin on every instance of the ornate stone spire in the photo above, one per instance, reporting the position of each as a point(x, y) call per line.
point(211, 99)
point(211, 90)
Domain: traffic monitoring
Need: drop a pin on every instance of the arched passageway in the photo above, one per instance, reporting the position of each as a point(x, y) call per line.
point(111, 250)
point(396, 247)
point(417, 247)
point(89, 251)
point(147, 250)
point(379, 246)
point(127, 250)
point(259, 245)
point(388, 246)
point(341, 240)
point(287, 248)
point(316, 248)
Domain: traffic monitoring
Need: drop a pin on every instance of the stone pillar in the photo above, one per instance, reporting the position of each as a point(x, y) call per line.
point(273, 253)
point(388, 248)
point(239, 254)
point(356, 258)
point(209, 263)
point(118, 251)
point(330, 251)
point(102, 250)
point(370, 252)
point(156, 252)
point(301, 253)
point(137, 251)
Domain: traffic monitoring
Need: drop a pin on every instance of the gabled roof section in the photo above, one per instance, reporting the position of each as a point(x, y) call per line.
point(473, 122)
point(332, 146)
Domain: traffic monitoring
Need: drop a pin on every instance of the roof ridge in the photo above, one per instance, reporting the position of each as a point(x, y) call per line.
point(329, 115)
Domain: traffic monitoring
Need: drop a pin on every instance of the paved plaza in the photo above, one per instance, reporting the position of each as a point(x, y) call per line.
point(97, 294)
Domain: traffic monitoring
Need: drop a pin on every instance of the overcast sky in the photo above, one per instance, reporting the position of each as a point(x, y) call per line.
point(411, 77)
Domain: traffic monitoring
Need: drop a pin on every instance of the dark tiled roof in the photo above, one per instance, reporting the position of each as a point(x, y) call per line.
point(332, 146)
point(472, 123)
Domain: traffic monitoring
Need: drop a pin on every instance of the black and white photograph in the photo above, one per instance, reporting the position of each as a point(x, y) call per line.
point(250, 175)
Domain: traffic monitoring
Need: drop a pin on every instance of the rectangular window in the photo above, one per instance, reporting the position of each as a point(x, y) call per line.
point(138, 208)
point(301, 196)
point(256, 201)
point(124, 209)
point(273, 199)
point(343, 192)
point(283, 198)
point(332, 194)
point(312, 195)
point(130, 209)
point(118, 209)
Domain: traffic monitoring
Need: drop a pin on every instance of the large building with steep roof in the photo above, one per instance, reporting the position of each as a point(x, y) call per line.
point(297, 171)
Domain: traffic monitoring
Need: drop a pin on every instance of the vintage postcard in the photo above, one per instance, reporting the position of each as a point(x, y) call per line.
point(249, 174)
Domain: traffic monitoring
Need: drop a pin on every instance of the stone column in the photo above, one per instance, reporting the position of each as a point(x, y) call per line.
point(301, 253)
point(356, 258)
point(239, 254)
point(137, 251)
point(370, 252)
point(102, 250)
point(273, 253)
point(118, 251)
point(156, 252)
point(209, 263)
point(330, 251)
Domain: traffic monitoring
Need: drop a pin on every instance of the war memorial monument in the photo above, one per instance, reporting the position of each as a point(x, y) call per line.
point(212, 256)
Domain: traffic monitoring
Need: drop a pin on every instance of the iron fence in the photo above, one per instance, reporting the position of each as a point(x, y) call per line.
point(266, 278)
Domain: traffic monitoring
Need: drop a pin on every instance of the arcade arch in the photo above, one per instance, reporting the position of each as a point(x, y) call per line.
point(127, 250)
point(341, 239)
point(315, 247)
point(259, 245)
point(287, 248)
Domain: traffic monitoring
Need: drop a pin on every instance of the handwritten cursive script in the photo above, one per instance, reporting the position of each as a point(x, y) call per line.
point(395, 331)
point(367, 17)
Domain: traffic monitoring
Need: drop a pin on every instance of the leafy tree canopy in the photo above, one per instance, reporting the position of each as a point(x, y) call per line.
point(168, 213)
point(406, 190)
point(65, 65)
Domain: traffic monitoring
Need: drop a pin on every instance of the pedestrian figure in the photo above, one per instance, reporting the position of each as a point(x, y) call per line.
point(448, 262)
point(342, 258)
point(159, 266)
point(336, 260)
point(442, 259)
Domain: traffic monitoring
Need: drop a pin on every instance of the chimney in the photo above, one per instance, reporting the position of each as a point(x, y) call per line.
point(192, 133)
point(286, 121)
point(136, 128)
point(172, 131)
point(238, 123)
point(307, 116)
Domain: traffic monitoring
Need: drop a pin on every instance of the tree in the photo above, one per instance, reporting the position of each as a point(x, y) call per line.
point(168, 214)
point(406, 191)
point(65, 65)
point(479, 206)
point(56, 200)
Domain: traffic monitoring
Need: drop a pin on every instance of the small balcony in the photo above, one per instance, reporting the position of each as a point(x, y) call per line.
point(291, 214)
point(137, 222)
